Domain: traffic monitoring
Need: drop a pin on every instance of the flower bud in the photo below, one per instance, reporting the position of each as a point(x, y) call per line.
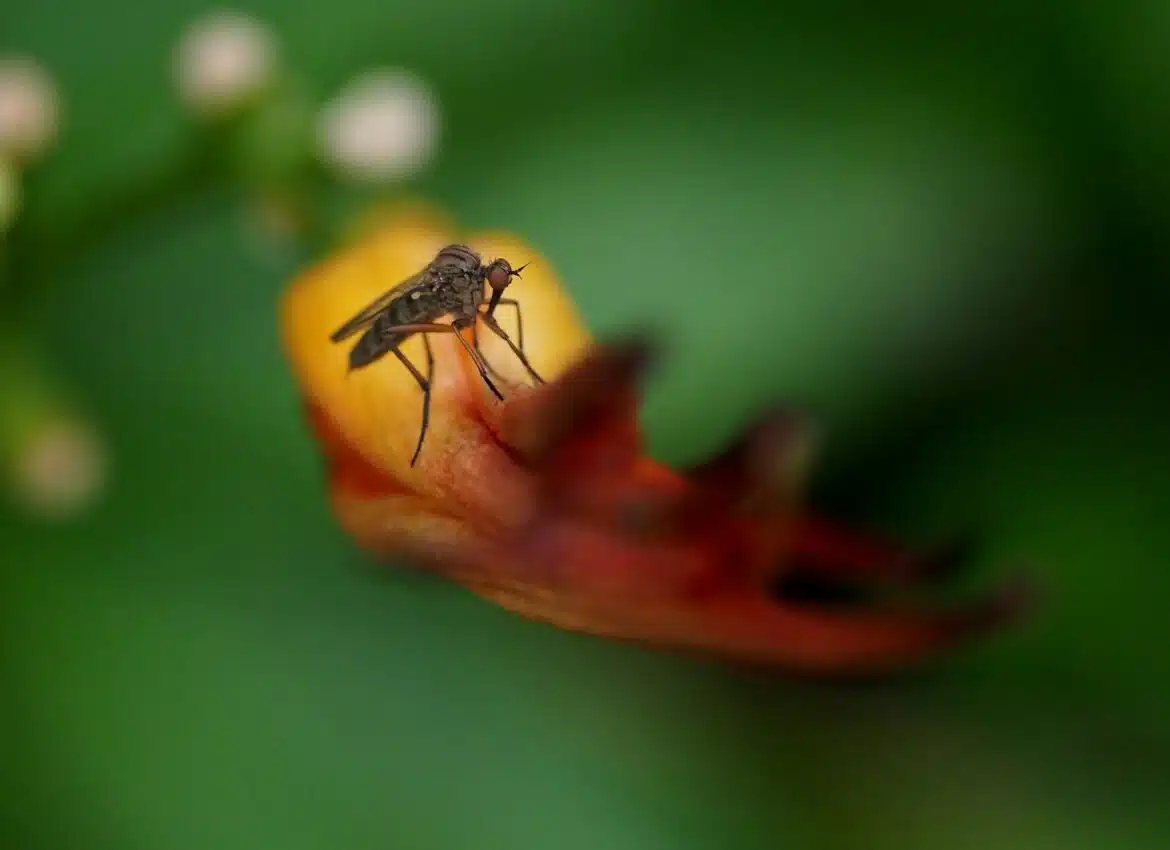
point(59, 468)
point(543, 502)
point(383, 126)
point(53, 462)
point(28, 109)
point(223, 61)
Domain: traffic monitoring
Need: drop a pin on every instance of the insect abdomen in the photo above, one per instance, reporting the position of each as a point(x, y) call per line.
point(366, 350)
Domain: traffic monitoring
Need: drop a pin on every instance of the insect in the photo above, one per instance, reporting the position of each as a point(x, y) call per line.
point(451, 284)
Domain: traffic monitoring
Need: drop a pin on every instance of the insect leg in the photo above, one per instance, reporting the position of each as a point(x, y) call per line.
point(425, 385)
point(480, 364)
point(519, 320)
point(435, 327)
point(426, 411)
point(475, 341)
point(495, 328)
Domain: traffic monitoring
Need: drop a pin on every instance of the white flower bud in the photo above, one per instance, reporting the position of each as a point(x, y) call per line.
point(9, 195)
point(223, 60)
point(60, 470)
point(28, 109)
point(384, 125)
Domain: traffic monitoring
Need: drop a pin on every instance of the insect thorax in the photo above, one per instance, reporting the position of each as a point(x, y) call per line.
point(457, 256)
point(457, 292)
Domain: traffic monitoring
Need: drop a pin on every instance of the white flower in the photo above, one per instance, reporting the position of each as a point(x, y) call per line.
point(28, 109)
point(61, 469)
point(384, 125)
point(223, 60)
point(9, 195)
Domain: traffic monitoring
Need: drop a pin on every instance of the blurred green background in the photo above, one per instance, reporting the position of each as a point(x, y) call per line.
point(941, 228)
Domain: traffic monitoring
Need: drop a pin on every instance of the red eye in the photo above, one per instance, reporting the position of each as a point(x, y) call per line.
point(498, 277)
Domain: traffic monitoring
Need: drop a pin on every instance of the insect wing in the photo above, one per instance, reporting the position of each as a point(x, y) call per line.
point(371, 310)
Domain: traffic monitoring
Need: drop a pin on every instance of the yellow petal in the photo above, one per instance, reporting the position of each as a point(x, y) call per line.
point(378, 409)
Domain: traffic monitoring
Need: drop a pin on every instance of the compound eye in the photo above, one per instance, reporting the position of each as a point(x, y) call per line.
point(499, 276)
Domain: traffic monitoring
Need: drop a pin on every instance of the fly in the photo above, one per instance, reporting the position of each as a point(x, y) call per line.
point(451, 284)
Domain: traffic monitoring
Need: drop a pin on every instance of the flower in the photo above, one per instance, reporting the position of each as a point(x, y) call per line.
point(222, 61)
point(60, 470)
point(384, 125)
point(545, 503)
point(29, 110)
